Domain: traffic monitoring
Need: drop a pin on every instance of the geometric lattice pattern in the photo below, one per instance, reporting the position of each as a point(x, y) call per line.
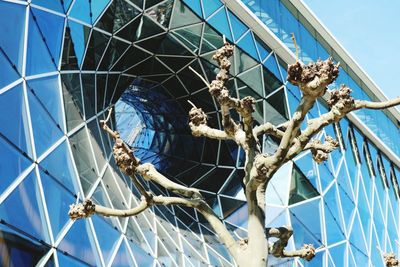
point(63, 63)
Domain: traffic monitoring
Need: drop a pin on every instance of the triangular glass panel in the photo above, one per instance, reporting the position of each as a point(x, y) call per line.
point(45, 131)
point(182, 16)
point(276, 108)
point(151, 66)
point(334, 233)
point(76, 38)
point(81, 11)
point(52, 28)
point(239, 217)
point(272, 66)
point(118, 14)
point(114, 51)
point(253, 79)
point(97, 7)
point(53, 5)
point(195, 5)
point(80, 233)
point(23, 209)
point(243, 61)
point(230, 205)
point(338, 254)
point(48, 91)
point(271, 83)
point(357, 237)
point(97, 45)
point(344, 181)
point(100, 197)
point(238, 27)
point(210, 7)
point(161, 13)
point(247, 44)
point(123, 258)
point(72, 95)
point(308, 167)
point(360, 258)
point(331, 202)
point(214, 180)
point(142, 257)
point(212, 40)
point(347, 207)
point(144, 29)
point(15, 129)
point(36, 46)
point(84, 160)
point(16, 163)
point(220, 22)
point(130, 31)
point(190, 36)
point(59, 165)
point(300, 187)
point(325, 175)
point(8, 74)
point(276, 216)
point(57, 200)
point(106, 236)
point(263, 50)
point(280, 184)
point(307, 229)
point(13, 27)
point(133, 56)
point(176, 63)
point(89, 94)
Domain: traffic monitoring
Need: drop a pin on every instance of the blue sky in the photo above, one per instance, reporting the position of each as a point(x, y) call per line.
point(370, 31)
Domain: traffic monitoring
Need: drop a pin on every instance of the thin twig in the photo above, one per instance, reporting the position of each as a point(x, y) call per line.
point(199, 75)
point(191, 103)
point(295, 45)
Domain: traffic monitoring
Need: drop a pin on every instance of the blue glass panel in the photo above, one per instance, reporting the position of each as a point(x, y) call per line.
point(18, 249)
point(53, 4)
point(45, 131)
point(357, 237)
point(238, 27)
point(107, 237)
point(67, 4)
point(98, 7)
point(13, 118)
point(52, 28)
point(309, 169)
point(57, 200)
point(11, 165)
point(220, 22)
point(79, 36)
point(347, 206)
point(59, 165)
point(325, 175)
point(272, 65)
point(142, 258)
point(263, 51)
point(81, 11)
point(307, 229)
point(210, 6)
point(7, 73)
point(49, 93)
point(338, 254)
point(247, 44)
point(80, 233)
point(333, 221)
point(195, 5)
point(12, 25)
point(23, 209)
point(37, 64)
point(64, 260)
point(123, 258)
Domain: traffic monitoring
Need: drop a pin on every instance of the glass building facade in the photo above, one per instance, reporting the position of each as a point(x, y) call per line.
point(64, 63)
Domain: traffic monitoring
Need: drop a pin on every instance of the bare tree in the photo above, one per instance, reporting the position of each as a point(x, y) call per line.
point(312, 79)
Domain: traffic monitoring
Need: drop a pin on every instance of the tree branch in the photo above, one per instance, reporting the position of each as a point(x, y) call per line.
point(269, 129)
point(320, 150)
point(198, 125)
point(283, 234)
